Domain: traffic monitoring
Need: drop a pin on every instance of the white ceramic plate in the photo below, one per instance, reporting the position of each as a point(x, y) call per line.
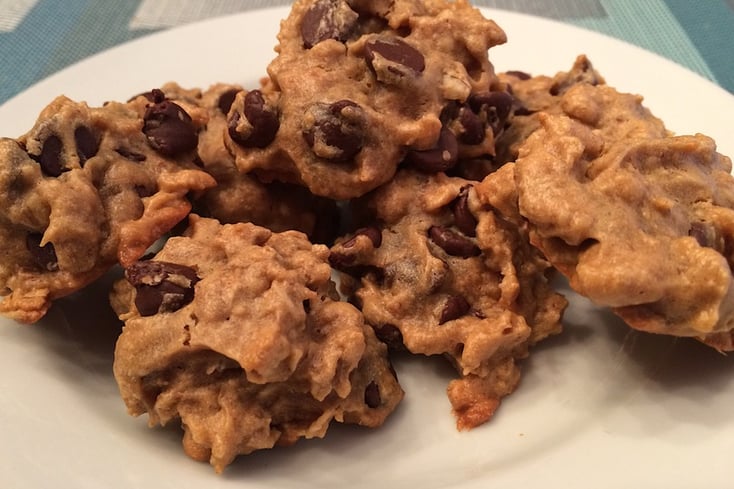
point(597, 407)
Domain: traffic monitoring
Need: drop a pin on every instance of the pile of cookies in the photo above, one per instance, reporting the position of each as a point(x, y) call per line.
point(381, 148)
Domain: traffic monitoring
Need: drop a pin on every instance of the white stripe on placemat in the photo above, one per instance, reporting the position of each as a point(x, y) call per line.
point(12, 13)
point(156, 14)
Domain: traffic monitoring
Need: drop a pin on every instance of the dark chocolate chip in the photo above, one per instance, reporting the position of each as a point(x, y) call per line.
point(395, 56)
point(156, 96)
point(372, 395)
point(263, 120)
point(334, 131)
point(161, 286)
point(44, 256)
point(495, 105)
point(130, 155)
point(391, 336)
point(520, 75)
point(706, 235)
point(455, 307)
point(463, 218)
point(327, 19)
point(144, 191)
point(442, 157)
point(450, 112)
point(472, 127)
point(522, 111)
point(453, 243)
point(373, 233)
point(341, 261)
point(86, 144)
point(50, 157)
point(226, 99)
point(169, 128)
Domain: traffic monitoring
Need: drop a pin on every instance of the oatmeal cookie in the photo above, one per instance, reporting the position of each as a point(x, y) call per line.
point(533, 95)
point(237, 333)
point(358, 88)
point(88, 187)
point(240, 197)
point(638, 220)
point(437, 272)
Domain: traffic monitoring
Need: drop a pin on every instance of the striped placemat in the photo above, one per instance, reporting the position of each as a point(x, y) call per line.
point(39, 37)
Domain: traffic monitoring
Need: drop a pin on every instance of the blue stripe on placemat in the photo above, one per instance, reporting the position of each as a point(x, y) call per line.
point(710, 26)
point(103, 25)
point(27, 50)
point(650, 25)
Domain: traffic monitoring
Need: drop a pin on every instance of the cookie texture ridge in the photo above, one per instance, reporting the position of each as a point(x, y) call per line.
point(88, 187)
point(237, 333)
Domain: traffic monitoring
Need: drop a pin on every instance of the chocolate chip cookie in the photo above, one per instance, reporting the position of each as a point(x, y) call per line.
point(638, 220)
point(533, 95)
point(240, 197)
point(437, 272)
point(88, 187)
point(237, 333)
point(358, 88)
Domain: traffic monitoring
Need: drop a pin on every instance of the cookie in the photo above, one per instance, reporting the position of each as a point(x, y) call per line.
point(533, 95)
point(359, 88)
point(639, 221)
point(237, 333)
point(437, 272)
point(88, 187)
point(240, 197)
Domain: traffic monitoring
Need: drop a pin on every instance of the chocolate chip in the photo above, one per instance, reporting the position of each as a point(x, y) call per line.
point(169, 128)
point(327, 19)
point(391, 336)
point(373, 233)
point(334, 131)
point(44, 256)
point(262, 125)
point(463, 218)
point(392, 57)
point(156, 96)
point(520, 75)
point(130, 155)
point(472, 127)
point(442, 157)
point(453, 243)
point(153, 96)
point(226, 99)
point(496, 107)
point(372, 395)
point(86, 144)
point(341, 261)
point(706, 235)
point(50, 157)
point(455, 307)
point(161, 286)
point(523, 111)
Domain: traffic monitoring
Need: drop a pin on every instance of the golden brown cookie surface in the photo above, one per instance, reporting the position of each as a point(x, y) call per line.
point(87, 187)
point(234, 330)
point(437, 272)
point(240, 197)
point(638, 220)
point(359, 87)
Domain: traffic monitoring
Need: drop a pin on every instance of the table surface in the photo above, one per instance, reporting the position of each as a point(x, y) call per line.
point(40, 37)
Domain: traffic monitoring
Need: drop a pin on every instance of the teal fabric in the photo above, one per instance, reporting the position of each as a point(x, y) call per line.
point(703, 22)
point(39, 37)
